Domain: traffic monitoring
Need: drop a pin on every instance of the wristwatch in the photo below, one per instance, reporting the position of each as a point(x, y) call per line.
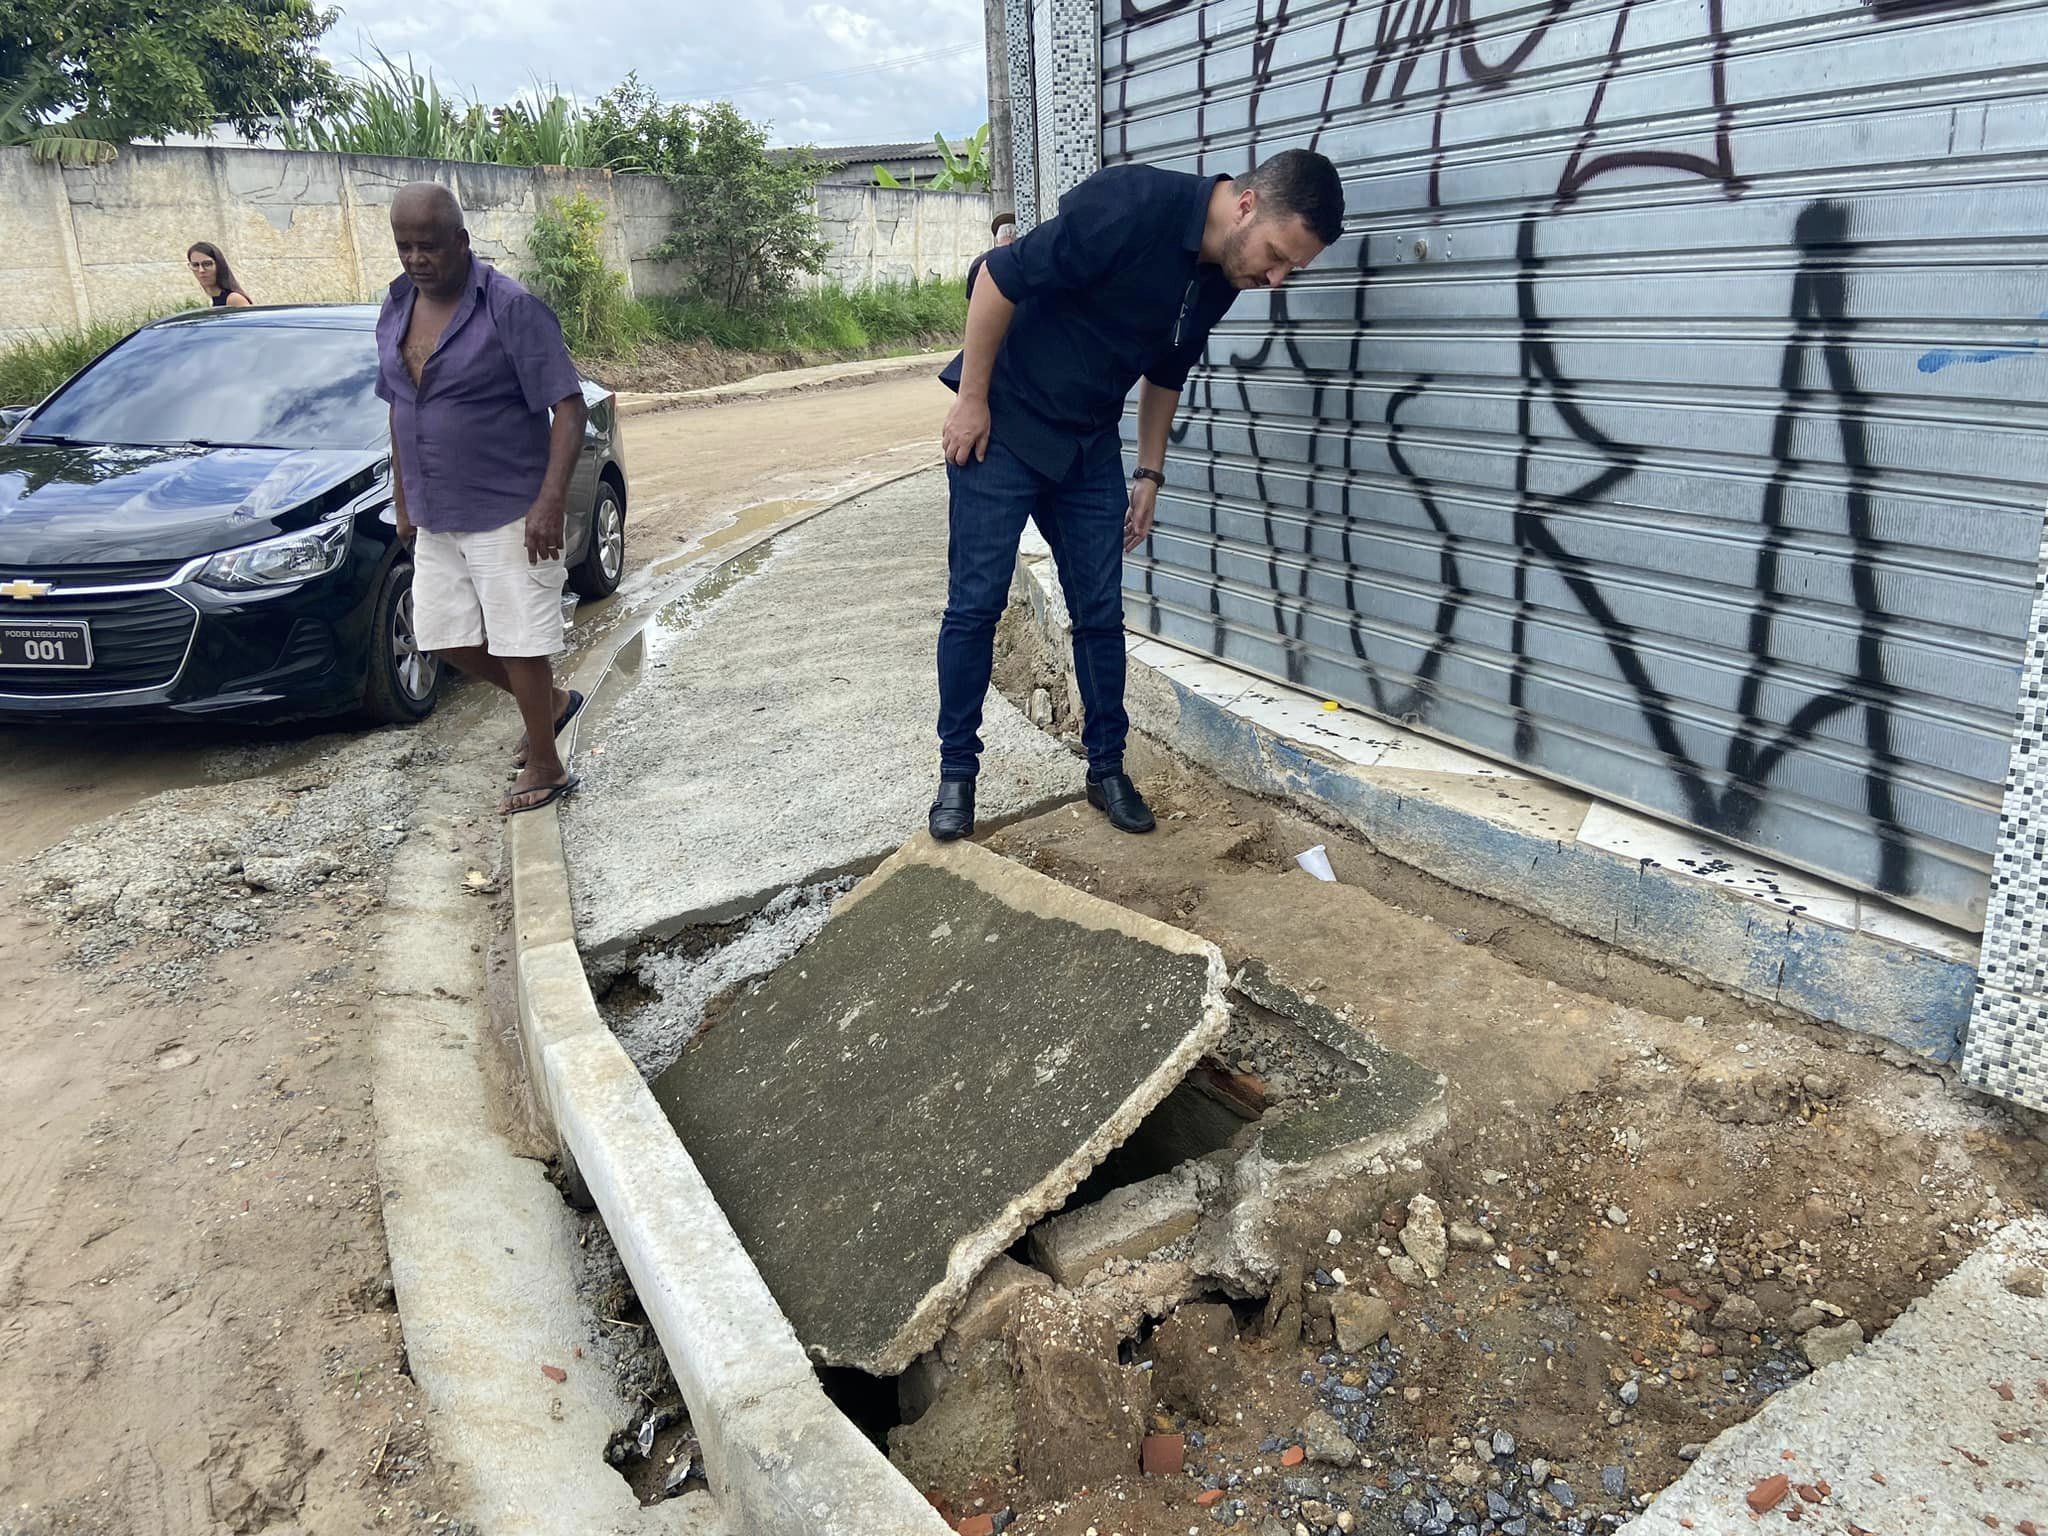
point(1148, 474)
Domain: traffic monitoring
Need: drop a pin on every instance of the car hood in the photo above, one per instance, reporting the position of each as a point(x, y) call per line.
point(67, 505)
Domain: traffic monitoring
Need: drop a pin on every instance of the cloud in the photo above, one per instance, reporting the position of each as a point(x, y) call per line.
point(819, 71)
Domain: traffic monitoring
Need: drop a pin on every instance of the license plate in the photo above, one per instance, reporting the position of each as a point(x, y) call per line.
point(45, 643)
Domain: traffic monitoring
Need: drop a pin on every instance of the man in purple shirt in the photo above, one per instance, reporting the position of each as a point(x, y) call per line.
point(472, 364)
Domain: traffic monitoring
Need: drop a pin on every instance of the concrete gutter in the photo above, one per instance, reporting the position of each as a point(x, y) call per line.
point(787, 381)
point(1776, 934)
point(486, 1304)
point(781, 1459)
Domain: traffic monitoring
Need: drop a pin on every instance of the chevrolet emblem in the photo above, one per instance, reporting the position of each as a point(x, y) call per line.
point(22, 590)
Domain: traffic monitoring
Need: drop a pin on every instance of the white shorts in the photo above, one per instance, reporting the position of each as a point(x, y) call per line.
point(479, 589)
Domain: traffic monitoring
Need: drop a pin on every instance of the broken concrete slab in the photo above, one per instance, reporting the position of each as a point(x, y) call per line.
point(938, 1068)
point(1932, 1428)
point(737, 703)
point(1129, 1223)
point(1348, 1110)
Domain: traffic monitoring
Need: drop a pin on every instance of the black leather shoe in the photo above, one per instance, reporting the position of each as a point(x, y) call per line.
point(953, 812)
point(1118, 799)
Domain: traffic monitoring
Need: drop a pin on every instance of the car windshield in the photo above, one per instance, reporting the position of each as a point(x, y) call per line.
point(266, 386)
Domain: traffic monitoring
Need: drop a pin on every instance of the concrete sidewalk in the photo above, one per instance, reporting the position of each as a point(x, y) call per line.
point(775, 726)
point(786, 381)
point(1935, 1428)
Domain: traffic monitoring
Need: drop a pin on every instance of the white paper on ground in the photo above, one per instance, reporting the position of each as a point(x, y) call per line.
point(1317, 862)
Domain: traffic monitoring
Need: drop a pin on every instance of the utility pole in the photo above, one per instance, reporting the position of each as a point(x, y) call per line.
point(1002, 189)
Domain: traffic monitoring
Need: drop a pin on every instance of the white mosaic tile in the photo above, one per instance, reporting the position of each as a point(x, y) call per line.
point(2006, 1049)
point(1630, 835)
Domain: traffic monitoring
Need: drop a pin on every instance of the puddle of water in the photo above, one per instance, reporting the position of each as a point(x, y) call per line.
point(750, 521)
point(649, 648)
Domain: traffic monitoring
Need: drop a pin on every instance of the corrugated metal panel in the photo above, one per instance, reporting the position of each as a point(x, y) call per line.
point(1670, 419)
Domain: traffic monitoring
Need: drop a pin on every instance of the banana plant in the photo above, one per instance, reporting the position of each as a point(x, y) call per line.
point(967, 172)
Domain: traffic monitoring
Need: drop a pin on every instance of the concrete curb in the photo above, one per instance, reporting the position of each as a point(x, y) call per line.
point(781, 1459)
point(1460, 826)
point(791, 381)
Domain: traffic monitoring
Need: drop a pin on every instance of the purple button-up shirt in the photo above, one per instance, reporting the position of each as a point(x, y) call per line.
point(472, 438)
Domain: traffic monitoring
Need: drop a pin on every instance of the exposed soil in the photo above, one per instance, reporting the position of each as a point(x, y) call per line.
point(196, 1323)
point(1673, 1183)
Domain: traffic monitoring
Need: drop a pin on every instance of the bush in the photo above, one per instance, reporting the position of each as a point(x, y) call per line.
point(828, 320)
point(30, 370)
point(746, 228)
point(568, 270)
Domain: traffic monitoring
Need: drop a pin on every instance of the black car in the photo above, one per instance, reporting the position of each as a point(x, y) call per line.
point(200, 524)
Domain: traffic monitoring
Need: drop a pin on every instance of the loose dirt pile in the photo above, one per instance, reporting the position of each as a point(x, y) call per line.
point(1655, 1207)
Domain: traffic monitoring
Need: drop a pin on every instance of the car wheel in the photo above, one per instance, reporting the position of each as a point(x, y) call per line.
point(604, 562)
point(405, 681)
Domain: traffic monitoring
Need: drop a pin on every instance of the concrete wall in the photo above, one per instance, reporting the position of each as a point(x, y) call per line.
point(108, 242)
point(879, 235)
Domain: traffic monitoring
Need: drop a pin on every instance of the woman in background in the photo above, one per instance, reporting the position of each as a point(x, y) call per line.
point(215, 277)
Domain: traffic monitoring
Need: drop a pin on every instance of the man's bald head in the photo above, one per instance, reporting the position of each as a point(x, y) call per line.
point(433, 246)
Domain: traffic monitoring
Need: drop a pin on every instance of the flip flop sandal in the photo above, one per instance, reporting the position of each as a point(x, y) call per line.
point(554, 792)
point(569, 712)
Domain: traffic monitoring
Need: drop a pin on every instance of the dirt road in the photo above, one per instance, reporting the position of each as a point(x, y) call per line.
point(196, 1324)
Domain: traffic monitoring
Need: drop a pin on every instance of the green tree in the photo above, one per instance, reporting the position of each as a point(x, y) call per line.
point(121, 70)
point(746, 227)
point(638, 133)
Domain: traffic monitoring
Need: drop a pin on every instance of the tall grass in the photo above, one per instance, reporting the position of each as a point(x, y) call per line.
point(30, 370)
point(828, 320)
point(399, 109)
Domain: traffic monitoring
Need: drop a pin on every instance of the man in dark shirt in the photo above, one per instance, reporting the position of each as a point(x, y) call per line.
point(472, 365)
point(1123, 285)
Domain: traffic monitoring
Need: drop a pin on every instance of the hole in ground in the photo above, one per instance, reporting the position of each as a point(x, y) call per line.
point(1205, 1113)
point(869, 1401)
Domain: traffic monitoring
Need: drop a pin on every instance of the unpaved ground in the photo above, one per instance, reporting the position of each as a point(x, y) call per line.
point(196, 1331)
point(1672, 1186)
point(663, 366)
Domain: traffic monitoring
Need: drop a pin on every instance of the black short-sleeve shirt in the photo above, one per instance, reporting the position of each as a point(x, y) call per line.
point(1111, 289)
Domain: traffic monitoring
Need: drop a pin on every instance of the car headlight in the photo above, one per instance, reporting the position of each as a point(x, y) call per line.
point(279, 562)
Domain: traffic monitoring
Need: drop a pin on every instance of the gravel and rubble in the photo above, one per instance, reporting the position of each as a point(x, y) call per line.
point(214, 865)
point(657, 1009)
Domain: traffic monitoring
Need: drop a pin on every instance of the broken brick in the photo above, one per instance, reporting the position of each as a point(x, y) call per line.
point(2004, 1390)
point(977, 1525)
point(1209, 1498)
point(1808, 1492)
point(554, 1373)
point(1163, 1455)
point(1768, 1494)
point(1293, 1456)
point(2027, 1528)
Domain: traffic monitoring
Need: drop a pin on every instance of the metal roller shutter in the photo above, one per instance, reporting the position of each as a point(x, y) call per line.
point(1670, 419)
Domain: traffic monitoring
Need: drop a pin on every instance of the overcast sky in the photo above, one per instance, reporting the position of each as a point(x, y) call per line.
point(820, 71)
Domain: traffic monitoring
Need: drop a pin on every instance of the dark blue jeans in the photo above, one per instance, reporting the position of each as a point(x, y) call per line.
point(1082, 519)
